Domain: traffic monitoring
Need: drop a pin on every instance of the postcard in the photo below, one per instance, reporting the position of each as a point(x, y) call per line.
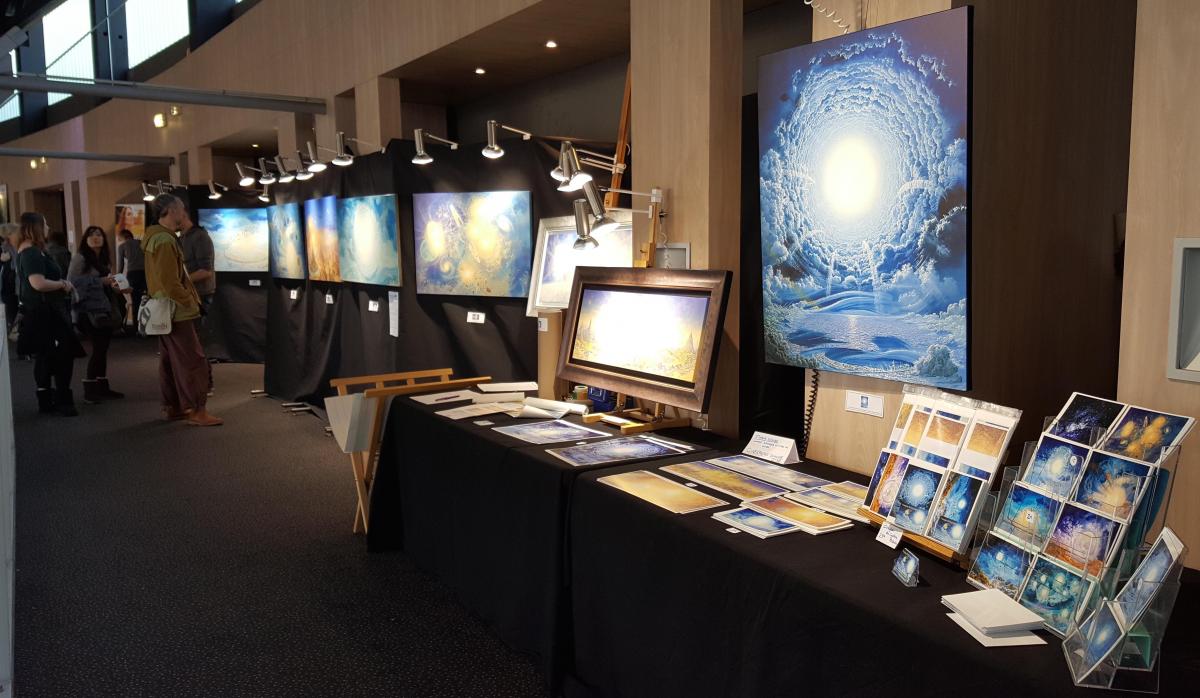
point(799, 514)
point(984, 445)
point(1082, 538)
point(1082, 416)
point(1134, 598)
point(914, 499)
point(611, 451)
point(942, 439)
point(902, 415)
point(954, 509)
point(1055, 465)
point(1028, 515)
point(915, 430)
point(882, 467)
point(1101, 635)
point(885, 483)
point(1146, 435)
point(775, 474)
point(756, 523)
point(551, 432)
point(733, 484)
point(853, 490)
point(1112, 484)
point(828, 501)
point(1001, 565)
point(660, 491)
point(1055, 593)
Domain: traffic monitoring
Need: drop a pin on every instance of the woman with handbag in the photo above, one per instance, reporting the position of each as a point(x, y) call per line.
point(45, 331)
point(95, 314)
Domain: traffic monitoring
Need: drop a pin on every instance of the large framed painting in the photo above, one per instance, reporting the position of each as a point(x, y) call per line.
point(649, 333)
point(240, 238)
point(555, 258)
point(369, 245)
point(473, 243)
point(864, 189)
point(288, 260)
point(321, 238)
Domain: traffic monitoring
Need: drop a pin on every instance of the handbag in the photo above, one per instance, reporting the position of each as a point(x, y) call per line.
point(154, 316)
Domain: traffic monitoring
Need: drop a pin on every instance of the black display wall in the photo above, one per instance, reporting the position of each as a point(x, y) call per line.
point(310, 340)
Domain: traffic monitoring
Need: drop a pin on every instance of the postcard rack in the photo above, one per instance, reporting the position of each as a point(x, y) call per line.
point(637, 420)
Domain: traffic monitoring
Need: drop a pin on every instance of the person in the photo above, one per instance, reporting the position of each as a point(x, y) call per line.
point(183, 368)
point(94, 314)
point(56, 247)
point(8, 275)
point(132, 264)
point(45, 331)
point(199, 258)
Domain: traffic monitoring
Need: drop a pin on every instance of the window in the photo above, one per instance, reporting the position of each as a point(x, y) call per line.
point(68, 43)
point(11, 107)
point(153, 25)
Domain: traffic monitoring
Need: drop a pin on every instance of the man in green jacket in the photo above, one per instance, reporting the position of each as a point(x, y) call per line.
point(182, 368)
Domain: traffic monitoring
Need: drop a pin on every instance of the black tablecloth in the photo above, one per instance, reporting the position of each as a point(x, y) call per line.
point(487, 513)
point(673, 605)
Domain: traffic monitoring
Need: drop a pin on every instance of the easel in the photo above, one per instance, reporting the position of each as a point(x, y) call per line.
point(640, 419)
point(934, 548)
point(364, 463)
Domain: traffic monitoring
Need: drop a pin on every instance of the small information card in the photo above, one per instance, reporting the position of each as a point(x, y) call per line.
point(394, 313)
point(776, 449)
point(889, 535)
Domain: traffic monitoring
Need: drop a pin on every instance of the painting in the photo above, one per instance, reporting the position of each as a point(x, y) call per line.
point(131, 217)
point(1000, 565)
point(647, 333)
point(829, 501)
point(1054, 592)
point(661, 492)
point(951, 517)
point(915, 430)
point(863, 180)
point(986, 439)
point(613, 451)
point(1082, 538)
point(1102, 634)
point(287, 242)
point(1111, 484)
point(552, 432)
point(555, 258)
point(733, 484)
point(777, 474)
point(942, 439)
point(1055, 465)
point(756, 523)
point(473, 243)
point(241, 240)
point(1028, 515)
point(798, 513)
point(1134, 598)
point(368, 242)
point(902, 415)
point(914, 499)
point(1083, 416)
point(321, 238)
point(1146, 435)
point(846, 488)
point(885, 483)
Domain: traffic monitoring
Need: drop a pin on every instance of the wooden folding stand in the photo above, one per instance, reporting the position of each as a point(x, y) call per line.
point(639, 419)
point(364, 463)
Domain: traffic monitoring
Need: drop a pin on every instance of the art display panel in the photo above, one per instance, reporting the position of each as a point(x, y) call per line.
point(240, 237)
point(555, 258)
point(863, 179)
point(321, 238)
point(368, 240)
point(288, 260)
point(473, 243)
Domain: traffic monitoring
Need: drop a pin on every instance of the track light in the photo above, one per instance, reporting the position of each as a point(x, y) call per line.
point(422, 157)
point(583, 226)
point(159, 120)
point(314, 166)
point(572, 176)
point(262, 195)
point(212, 190)
point(557, 173)
point(285, 175)
point(603, 222)
point(342, 157)
point(492, 151)
point(266, 176)
point(244, 179)
point(302, 172)
point(146, 195)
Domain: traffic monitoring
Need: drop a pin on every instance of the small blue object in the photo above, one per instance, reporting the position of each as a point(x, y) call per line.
point(907, 568)
point(604, 400)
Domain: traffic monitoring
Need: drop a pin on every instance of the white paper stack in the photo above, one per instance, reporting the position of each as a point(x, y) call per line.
point(994, 619)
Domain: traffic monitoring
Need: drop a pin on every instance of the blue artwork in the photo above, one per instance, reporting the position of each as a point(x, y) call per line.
point(1054, 593)
point(756, 522)
point(914, 499)
point(1028, 515)
point(288, 259)
point(863, 185)
point(1082, 538)
point(999, 565)
point(952, 510)
point(1135, 596)
point(1146, 435)
point(613, 450)
point(1055, 465)
point(473, 244)
point(553, 432)
point(1102, 633)
point(1111, 484)
point(239, 236)
point(1082, 415)
point(368, 246)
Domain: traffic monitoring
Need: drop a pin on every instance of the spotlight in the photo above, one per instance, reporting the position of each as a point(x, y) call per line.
point(557, 173)
point(492, 151)
point(285, 175)
point(174, 110)
point(254, 145)
point(583, 226)
point(480, 71)
point(244, 179)
point(146, 195)
point(342, 158)
point(315, 165)
point(573, 176)
point(160, 120)
point(33, 163)
point(212, 190)
point(266, 176)
point(262, 195)
point(603, 222)
point(551, 44)
point(422, 157)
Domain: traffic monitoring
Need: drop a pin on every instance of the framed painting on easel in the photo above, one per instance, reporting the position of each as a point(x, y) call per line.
point(556, 257)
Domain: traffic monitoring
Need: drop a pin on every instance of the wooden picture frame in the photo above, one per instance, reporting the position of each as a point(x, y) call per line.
point(691, 395)
point(565, 225)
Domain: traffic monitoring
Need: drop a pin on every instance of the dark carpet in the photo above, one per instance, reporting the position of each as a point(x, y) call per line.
point(156, 558)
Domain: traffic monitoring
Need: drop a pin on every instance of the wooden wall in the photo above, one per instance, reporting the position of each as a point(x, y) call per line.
point(1164, 179)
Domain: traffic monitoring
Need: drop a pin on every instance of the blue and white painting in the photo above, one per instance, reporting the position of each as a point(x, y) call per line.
point(1111, 484)
point(552, 432)
point(1135, 596)
point(756, 522)
point(288, 259)
point(368, 244)
point(473, 244)
point(999, 565)
point(612, 451)
point(1055, 465)
point(1082, 538)
point(952, 510)
point(1054, 592)
point(1028, 515)
point(239, 236)
point(914, 499)
point(863, 175)
point(1083, 415)
point(1102, 633)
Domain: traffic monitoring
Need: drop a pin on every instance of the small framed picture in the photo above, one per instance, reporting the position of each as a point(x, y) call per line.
point(673, 255)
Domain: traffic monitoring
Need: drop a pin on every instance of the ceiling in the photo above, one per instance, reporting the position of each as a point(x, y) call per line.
point(241, 144)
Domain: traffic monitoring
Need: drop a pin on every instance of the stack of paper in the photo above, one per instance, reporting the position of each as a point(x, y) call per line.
point(994, 619)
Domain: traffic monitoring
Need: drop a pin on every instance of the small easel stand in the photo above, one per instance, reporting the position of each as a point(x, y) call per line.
point(638, 420)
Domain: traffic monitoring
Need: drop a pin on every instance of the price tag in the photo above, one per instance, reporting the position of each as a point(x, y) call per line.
point(373, 306)
point(294, 294)
point(776, 449)
point(543, 324)
point(476, 318)
point(328, 299)
point(889, 535)
point(255, 282)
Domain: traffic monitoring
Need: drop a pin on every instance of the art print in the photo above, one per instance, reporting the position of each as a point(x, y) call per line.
point(797, 513)
point(852, 490)
point(942, 440)
point(661, 492)
point(775, 474)
point(1082, 538)
point(1112, 484)
point(240, 238)
point(953, 510)
point(1028, 515)
point(1055, 465)
point(1101, 634)
point(756, 523)
point(288, 260)
point(321, 238)
point(613, 451)
point(1084, 416)
point(1135, 597)
point(884, 487)
point(910, 509)
point(552, 432)
point(1146, 435)
point(733, 484)
point(368, 240)
point(473, 243)
point(828, 501)
point(915, 430)
point(1055, 593)
point(984, 446)
point(902, 417)
point(1001, 564)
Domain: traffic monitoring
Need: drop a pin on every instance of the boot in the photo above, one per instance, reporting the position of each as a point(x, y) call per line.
point(45, 398)
point(65, 402)
point(92, 394)
point(106, 392)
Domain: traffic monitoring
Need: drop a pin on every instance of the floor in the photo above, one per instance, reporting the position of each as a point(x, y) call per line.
point(155, 558)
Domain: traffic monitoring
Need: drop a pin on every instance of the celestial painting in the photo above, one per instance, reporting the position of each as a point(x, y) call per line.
point(777, 474)
point(886, 483)
point(756, 522)
point(613, 451)
point(288, 260)
point(986, 439)
point(660, 491)
point(240, 238)
point(1111, 484)
point(863, 184)
point(1082, 538)
point(915, 498)
point(798, 513)
point(1146, 435)
point(914, 432)
point(1055, 465)
point(557, 258)
point(1083, 415)
point(368, 242)
point(552, 432)
point(321, 238)
point(1135, 596)
point(999, 565)
point(733, 484)
point(829, 501)
point(1054, 592)
point(473, 244)
point(1102, 635)
point(941, 441)
point(654, 333)
point(1028, 515)
point(951, 514)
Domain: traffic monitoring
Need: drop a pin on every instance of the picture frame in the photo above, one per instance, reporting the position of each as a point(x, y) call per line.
point(673, 255)
point(1183, 327)
point(543, 298)
point(661, 287)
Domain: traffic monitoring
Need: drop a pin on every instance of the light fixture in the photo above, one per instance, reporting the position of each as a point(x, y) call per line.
point(557, 173)
point(33, 163)
point(492, 151)
point(603, 222)
point(146, 195)
point(244, 179)
point(160, 120)
point(382, 148)
point(174, 110)
point(583, 226)
point(212, 190)
point(314, 165)
point(342, 157)
point(254, 145)
point(572, 176)
point(285, 175)
point(262, 195)
point(480, 71)
point(42, 159)
point(422, 157)
point(266, 176)
point(302, 172)
point(551, 43)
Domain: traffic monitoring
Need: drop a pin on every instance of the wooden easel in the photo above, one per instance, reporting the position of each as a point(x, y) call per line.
point(932, 547)
point(641, 420)
point(364, 463)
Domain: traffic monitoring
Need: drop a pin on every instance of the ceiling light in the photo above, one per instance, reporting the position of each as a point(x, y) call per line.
point(302, 172)
point(174, 110)
point(583, 226)
point(315, 165)
point(492, 151)
point(146, 195)
point(253, 145)
point(551, 44)
point(422, 157)
point(573, 176)
point(244, 179)
point(480, 71)
point(212, 190)
point(266, 176)
point(33, 164)
point(160, 120)
point(557, 173)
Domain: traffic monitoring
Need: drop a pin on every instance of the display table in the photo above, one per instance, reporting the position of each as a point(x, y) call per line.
point(673, 605)
point(486, 513)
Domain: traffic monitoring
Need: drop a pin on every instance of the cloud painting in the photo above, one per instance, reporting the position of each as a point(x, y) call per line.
point(651, 333)
point(755, 522)
point(1028, 515)
point(1054, 592)
point(612, 451)
point(952, 509)
point(368, 240)
point(733, 484)
point(999, 565)
point(288, 260)
point(240, 238)
point(915, 498)
point(660, 491)
point(559, 259)
point(473, 244)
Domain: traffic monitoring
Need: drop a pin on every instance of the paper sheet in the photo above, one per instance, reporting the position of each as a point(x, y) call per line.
point(479, 398)
point(555, 405)
point(475, 410)
point(508, 387)
point(439, 398)
point(530, 412)
point(1017, 639)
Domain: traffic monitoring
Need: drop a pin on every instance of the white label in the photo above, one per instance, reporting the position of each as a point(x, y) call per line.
point(769, 447)
point(394, 313)
point(372, 306)
point(294, 294)
point(255, 282)
point(543, 324)
point(476, 317)
point(328, 299)
point(889, 535)
point(864, 403)
point(484, 423)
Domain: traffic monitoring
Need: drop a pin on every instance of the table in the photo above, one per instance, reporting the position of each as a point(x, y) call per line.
point(673, 605)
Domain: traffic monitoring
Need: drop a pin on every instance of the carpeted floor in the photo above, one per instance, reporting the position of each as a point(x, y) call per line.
point(167, 560)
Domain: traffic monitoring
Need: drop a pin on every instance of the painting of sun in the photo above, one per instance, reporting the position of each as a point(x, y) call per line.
point(1111, 484)
point(473, 244)
point(1147, 435)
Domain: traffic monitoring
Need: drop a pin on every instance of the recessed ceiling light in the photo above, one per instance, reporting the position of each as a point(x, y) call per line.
point(480, 71)
point(160, 120)
point(253, 145)
point(33, 164)
point(551, 44)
